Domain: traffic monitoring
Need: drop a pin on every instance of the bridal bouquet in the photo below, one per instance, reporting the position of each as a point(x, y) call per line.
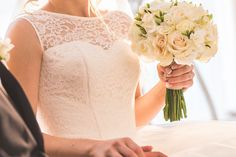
point(5, 47)
point(174, 32)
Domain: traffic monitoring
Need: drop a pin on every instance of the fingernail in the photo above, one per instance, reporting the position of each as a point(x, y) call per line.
point(168, 85)
point(168, 71)
point(173, 67)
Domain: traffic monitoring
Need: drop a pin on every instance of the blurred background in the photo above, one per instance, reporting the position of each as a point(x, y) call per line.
point(212, 95)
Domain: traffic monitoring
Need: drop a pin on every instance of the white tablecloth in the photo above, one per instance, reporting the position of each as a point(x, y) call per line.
point(191, 139)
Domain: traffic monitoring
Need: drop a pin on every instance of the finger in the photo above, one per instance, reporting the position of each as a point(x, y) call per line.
point(155, 154)
point(176, 66)
point(185, 69)
point(166, 69)
point(114, 153)
point(160, 68)
point(134, 147)
point(162, 72)
point(126, 151)
point(181, 85)
point(182, 78)
point(147, 148)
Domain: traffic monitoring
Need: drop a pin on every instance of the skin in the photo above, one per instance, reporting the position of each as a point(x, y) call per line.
point(173, 77)
point(25, 64)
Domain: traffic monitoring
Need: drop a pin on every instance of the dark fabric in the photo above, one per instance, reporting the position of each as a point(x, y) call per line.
point(21, 104)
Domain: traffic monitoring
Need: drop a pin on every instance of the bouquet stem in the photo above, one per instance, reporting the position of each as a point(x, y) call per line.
point(175, 108)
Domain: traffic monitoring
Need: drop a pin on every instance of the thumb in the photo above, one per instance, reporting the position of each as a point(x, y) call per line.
point(147, 148)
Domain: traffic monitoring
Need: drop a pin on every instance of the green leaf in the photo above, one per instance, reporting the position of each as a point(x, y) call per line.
point(142, 29)
point(138, 18)
point(174, 2)
point(210, 16)
point(188, 33)
point(143, 36)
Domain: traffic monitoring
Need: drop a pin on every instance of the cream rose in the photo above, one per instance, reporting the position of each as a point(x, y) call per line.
point(144, 48)
point(181, 47)
point(165, 29)
point(159, 43)
point(185, 25)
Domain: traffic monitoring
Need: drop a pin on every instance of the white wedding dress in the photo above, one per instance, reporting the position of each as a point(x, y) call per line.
point(88, 76)
point(88, 81)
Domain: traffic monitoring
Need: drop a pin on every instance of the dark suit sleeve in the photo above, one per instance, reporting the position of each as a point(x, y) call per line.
point(15, 138)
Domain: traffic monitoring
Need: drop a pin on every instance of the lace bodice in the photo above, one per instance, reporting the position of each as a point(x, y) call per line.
point(88, 75)
point(54, 29)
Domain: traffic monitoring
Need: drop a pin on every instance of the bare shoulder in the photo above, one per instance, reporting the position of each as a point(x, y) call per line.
point(26, 42)
point(23, 35)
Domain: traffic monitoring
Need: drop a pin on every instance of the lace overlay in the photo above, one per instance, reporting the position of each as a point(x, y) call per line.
point(88, 76)
point(54, 29)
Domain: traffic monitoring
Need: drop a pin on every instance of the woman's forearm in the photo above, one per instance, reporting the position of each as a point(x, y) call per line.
point(148, 105)
point(62, 147)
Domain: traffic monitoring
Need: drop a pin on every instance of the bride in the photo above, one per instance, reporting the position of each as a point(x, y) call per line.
point(78, 71)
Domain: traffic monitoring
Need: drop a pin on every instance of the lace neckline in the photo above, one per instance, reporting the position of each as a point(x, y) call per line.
point(73, 16)
point(55, 29)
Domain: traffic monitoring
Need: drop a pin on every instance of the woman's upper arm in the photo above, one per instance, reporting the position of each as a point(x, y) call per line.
point(25, 58)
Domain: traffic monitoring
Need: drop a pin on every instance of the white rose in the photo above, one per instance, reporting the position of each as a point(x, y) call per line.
point(191, 11)
point(184, 11)
point(204, 20)
point(210, 45)
point(5, 47)
point(185, 25)
point(144, 48)
point(208, 52)
point(165, 29)
point(149, 23)
point(212, 33)
point(198, 37)
point(181, 47)
point(159, 5)
point(166, 59)
point(175, 15)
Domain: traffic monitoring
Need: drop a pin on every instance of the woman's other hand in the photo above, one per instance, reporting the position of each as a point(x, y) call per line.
point(124, 147)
